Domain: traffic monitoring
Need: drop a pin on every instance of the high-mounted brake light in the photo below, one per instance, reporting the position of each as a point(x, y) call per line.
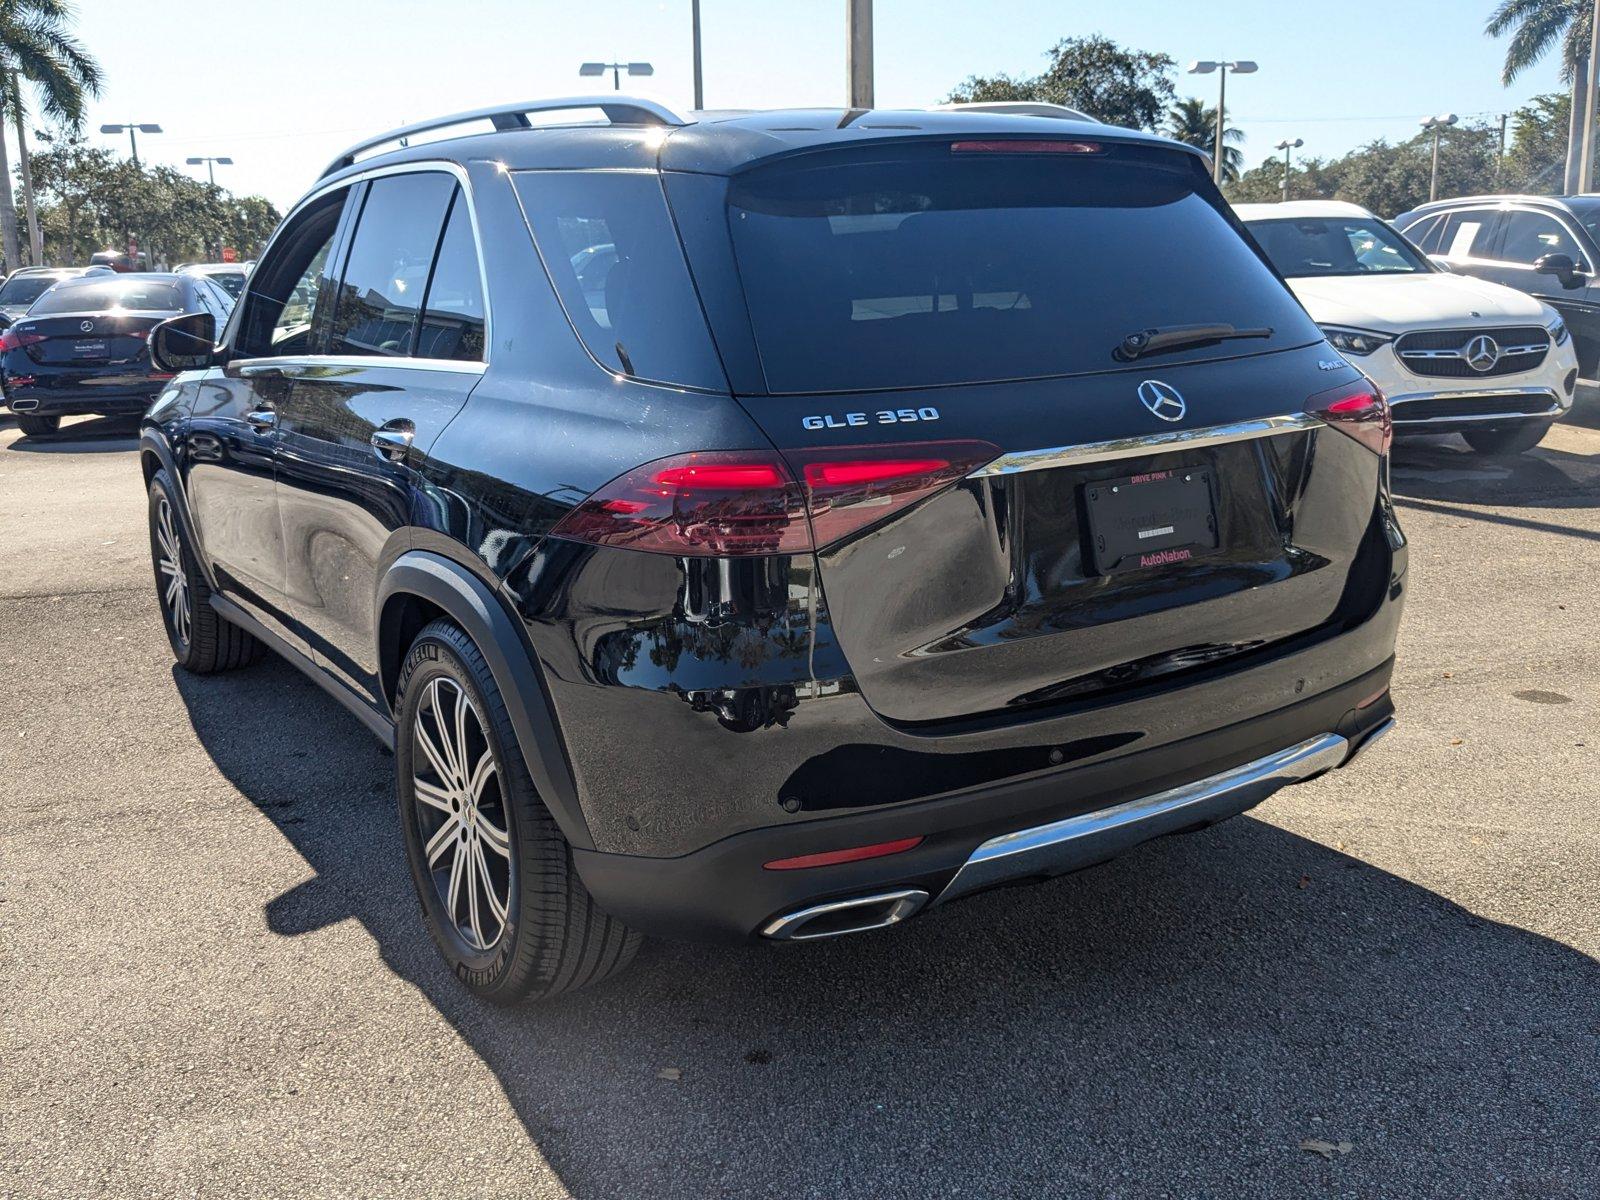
point(1020, 146)
point(1358, 409)
point(855, 854)
point(728, 503)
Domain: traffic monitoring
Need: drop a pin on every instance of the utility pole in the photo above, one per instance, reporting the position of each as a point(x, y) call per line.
point(699, 86)
point(858, 52)
point(1586, 162)
point(1500, 163)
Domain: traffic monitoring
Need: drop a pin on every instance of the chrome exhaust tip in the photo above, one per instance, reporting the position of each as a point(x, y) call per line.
point(839, 917)
point(24, 405)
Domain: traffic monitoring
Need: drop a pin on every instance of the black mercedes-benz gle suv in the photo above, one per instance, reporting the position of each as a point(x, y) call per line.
point(920, 502)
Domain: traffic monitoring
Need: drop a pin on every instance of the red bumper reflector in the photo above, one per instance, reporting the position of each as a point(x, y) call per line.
point(854, 854)
point(1375, 697)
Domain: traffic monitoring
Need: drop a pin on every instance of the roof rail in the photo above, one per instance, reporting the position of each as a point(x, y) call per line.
point(1021, 108)
point(619, 110)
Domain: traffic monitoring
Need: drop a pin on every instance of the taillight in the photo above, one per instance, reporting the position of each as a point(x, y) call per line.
point(12, 340)
point(729, 503)
point(1358, 409)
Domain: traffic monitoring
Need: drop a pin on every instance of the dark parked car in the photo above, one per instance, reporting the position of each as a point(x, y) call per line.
point(26, 284)
point(1547, 246)
point(82, 348)
point(924, 502)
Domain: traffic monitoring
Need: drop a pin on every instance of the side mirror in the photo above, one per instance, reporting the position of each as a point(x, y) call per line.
point(185, 343)
point(1562, 267)
point(1441, 262)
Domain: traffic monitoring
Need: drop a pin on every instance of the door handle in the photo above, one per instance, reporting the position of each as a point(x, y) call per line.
point(262, 420)
point(392, 439)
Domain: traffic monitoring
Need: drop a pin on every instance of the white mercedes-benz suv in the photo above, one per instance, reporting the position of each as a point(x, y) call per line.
point(1453, 354)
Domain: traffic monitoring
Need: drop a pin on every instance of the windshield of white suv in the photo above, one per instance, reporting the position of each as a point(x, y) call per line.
point(1309, 246)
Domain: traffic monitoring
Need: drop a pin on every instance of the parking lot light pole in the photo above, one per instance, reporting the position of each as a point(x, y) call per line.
point(1438, 125)
point(1288, 148)
point(133, 140)
point(1204, 66)
point(616, 69)
point(211, 162)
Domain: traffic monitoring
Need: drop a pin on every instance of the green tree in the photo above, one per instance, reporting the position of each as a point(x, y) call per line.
point(1193, 124)
point(38, 55)
point(1535, 28)
point(90, 199)
point(1535, 159)
point(1094, 75)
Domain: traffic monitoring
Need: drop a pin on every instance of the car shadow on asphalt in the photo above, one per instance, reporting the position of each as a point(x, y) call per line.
point(1178, 1020)
point(1446, 470)
point(97, 435)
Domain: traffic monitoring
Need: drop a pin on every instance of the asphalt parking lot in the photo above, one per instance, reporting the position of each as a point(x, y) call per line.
point(1384, 983)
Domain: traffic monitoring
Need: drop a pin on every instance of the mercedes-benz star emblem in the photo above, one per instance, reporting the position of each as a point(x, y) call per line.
point(86, 326)
point(1162, 399)
point(1482, 353)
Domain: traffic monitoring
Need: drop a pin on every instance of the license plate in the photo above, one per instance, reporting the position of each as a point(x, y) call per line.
point(1151, 520)
point(88, 349)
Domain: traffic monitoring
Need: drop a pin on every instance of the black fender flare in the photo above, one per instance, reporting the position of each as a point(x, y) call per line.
point(485, 618)
point(151, 443)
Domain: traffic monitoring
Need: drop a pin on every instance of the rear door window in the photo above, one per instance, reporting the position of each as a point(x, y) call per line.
point(936, 264)
point(453, 316)
point(1468, 234)
point(386, 274)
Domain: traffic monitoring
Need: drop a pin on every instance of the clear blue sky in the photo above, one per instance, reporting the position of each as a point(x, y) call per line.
point(283, 85)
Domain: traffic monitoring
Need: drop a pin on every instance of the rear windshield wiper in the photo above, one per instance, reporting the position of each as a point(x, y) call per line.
point(1174, 337)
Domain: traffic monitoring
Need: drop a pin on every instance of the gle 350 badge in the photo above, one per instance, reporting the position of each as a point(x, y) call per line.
point(884, 416)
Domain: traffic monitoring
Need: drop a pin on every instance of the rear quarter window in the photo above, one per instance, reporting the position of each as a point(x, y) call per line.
point(608, 243)
point(925, 265)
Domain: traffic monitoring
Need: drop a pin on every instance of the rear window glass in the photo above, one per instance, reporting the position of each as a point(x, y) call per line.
point(926, 265)
point(122, 293)
point(608, 242)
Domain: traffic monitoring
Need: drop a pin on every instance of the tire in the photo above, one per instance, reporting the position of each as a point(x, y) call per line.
point(202, 640)
point(1514, 440)
point(34, 425)
point(539, 932)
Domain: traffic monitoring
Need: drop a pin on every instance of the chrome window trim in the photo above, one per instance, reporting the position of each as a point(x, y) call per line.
point(1149, 443)
point(348, 181)
point(365, 361)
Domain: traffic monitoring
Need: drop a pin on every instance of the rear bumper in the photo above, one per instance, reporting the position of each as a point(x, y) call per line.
point(1050, 823)
point(105, 401)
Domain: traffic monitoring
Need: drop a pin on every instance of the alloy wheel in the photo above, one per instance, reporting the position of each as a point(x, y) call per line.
point(461, 813)
point(175, 594)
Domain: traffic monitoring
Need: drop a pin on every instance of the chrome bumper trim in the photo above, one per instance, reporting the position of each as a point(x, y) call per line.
point(1093, 837)
point(1149, 443)
point(1397, 405)
point(1379, 731)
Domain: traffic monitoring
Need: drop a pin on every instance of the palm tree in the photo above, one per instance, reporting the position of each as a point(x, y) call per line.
point(38, 54)
point(1536, 26)
point(1193, 124)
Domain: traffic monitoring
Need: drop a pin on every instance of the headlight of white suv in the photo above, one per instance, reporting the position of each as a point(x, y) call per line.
point(1359, 342)
point(1558, 332)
